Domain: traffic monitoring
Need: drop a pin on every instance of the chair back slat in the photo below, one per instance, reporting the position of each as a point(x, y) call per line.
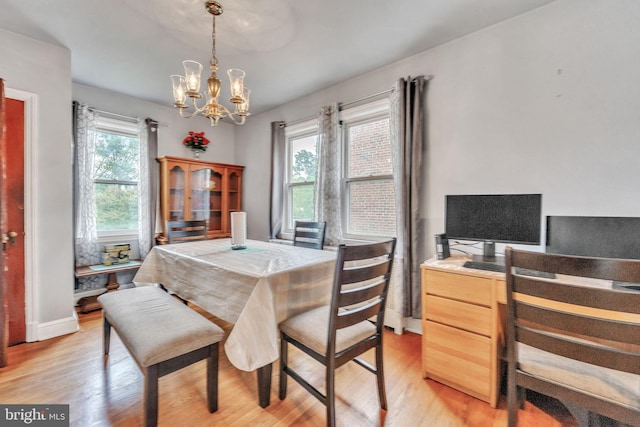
point(362, 273)
point(356, 315)
point(594, 327)
point(579, 350)
point(309, 234)
point(186, 231)
point(360, 294)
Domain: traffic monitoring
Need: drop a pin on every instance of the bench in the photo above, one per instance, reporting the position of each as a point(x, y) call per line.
point(162, 335)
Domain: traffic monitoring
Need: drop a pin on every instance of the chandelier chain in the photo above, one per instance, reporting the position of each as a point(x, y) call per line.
point(214, 59)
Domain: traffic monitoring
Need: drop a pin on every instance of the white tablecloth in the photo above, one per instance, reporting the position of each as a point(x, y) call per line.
point(254, 288)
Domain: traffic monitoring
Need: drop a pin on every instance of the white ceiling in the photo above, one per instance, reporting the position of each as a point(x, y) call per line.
point(289, 48)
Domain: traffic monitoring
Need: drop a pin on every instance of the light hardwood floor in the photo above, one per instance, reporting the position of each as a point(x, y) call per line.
point(71, 370)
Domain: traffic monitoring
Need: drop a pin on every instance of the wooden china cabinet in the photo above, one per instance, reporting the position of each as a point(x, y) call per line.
point(193, 189)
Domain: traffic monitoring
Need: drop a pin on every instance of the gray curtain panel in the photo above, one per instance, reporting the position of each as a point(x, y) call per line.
point(278, 156)
point(154, 176)
point(408, 132)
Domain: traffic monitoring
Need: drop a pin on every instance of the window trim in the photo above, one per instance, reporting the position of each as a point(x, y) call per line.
point(354, 116)
point(300, 130)
point(128, 129)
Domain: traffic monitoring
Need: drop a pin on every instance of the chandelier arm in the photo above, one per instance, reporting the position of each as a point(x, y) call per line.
point(233, 116)
point(197, 110)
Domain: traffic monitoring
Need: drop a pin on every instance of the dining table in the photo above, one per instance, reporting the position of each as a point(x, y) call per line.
point(253, 288)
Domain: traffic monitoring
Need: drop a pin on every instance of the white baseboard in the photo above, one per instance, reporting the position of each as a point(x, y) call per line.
point(399, 324)
point(393, 320)
point(414, 325)
point(45, 331)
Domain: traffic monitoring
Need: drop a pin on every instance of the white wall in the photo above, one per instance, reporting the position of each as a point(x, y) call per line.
point(45, 70)
point(546, 102)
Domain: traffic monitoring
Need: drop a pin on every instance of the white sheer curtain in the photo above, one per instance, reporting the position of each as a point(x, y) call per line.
point(327, 186)
point(86, 239)
point(87, 249)
point(407, 124)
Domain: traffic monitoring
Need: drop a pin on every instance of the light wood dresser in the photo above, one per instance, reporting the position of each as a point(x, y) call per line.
point(462, 327)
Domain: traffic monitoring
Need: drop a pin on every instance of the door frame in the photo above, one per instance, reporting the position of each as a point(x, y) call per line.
point(30, 133)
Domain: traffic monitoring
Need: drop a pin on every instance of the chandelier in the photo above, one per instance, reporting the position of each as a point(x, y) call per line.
point(189, 85)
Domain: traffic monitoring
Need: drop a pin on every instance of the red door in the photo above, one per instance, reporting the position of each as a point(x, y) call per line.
point(4, 311)
point(14, 249)
point(12, 289)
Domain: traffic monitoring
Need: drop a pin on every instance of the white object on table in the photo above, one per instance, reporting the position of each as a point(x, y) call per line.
point(238, 230)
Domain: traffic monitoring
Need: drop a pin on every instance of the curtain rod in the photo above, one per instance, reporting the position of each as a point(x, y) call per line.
point(134, 119)
point(341, 106)
point(114, 114)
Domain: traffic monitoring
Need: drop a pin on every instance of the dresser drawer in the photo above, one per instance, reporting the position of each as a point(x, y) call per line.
point(476, 290)
point(458, 358)
point(470, 317)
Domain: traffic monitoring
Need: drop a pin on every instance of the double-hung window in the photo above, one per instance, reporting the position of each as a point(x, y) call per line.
point(116, 167)
point(301, 166)
point(368, 202)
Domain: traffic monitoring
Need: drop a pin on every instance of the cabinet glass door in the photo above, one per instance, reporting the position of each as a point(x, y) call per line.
point(176, 193)
point(234, 191)
point(206, 197)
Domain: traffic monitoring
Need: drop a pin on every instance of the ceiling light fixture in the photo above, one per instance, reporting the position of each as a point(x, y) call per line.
point(189, 85)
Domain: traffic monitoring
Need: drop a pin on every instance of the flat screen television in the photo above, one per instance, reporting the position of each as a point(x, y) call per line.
point(594, 236)
point(491, 218)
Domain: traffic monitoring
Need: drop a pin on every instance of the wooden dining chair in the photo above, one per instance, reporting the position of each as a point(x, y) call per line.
point(186, 231)
point(309, 234)
point(574, 342)
point(339, 332)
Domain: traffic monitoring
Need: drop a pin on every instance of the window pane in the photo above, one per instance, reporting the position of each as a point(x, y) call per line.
point(370, 149)
point(372, 208)
point(304, 159)
point(302, 202)
point(116, 207)
point(116, 157)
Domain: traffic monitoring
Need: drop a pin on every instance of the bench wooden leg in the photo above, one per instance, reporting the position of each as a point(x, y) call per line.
point(106, 334)
point(212, 378)
point(151, 396)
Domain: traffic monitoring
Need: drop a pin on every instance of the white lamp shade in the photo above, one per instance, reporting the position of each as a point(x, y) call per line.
point(179, 89)
point(236, 81)
point(243, 107)
point(192, 71)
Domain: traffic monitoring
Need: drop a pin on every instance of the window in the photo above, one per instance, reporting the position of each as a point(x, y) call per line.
point(116, 175)
point(368, 196)
point(301, 166)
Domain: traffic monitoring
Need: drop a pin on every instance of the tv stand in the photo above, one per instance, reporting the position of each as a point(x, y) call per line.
point(463, 327)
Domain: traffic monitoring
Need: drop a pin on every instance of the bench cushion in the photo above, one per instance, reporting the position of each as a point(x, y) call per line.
point(155, 326)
